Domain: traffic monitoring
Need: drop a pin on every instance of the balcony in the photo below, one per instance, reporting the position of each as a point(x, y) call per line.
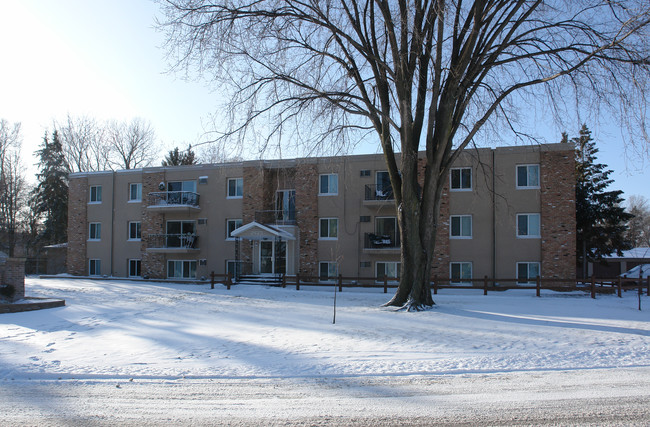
point(277, 217)
point(173, 243)
point(381, 242)
point(173, 201)
point(379, 193)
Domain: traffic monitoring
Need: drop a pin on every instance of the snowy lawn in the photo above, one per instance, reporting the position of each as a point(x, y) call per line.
point(128, 329)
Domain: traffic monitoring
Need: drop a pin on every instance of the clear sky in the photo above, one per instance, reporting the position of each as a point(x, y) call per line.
point(102, 58)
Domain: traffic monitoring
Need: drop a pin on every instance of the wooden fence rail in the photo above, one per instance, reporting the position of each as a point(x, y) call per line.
point(593, 285)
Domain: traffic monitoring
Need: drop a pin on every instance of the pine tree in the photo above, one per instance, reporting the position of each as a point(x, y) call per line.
point(176, 158)
point(51, 194)
point(601, 221)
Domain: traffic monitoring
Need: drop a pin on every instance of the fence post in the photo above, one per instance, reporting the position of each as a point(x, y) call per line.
point(284, 280)
point(538, 285)
point(435, 285)
point(648, 286)
point(485, 281)
point(297, 282)
point(212, 280)
point(619, 287)
point(593, 287)
point(385, 284)
point(340, 283)
point(229, 280)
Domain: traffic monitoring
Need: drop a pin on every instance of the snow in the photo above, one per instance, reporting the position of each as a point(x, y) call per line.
point(154, 332)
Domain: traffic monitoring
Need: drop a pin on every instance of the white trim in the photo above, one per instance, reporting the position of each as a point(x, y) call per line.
point(328, 184)
point(529, 282)
point(527, 187)
point(471, 179)
point(461, 282)
point(461, 236)
point(320, 229)
point(528, 236)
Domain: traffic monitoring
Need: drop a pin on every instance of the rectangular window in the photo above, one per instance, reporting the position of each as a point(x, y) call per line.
point(232, 225)
point(527, 176)
point(181, 234)
point(527, 272)
point(389, 269)
point(135, 268)
point(327, 270)
point(461, 179)
point(95, 267)
point(365, 172)
point(384, 189)
point(285, 206)
point(528, 225)
point(235, 188)
point(94, 231)
point(181, 269)
point(461, 227)
point(329, 185)
point(329, 228)
point(134, 230)
point(461, 272)
point(95, 194)
point(135, 192)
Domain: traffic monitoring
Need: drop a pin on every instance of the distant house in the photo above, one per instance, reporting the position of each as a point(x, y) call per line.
point(506, 212)
point(615, 265)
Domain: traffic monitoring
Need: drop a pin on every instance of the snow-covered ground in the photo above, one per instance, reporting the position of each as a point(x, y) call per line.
point(115, 339)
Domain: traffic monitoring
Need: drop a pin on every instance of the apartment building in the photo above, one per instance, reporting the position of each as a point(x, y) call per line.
point(507, 212)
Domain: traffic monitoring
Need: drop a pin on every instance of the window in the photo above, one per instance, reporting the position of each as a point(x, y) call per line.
point(95, 267)
point(235, 188)
point(180, 234)
point(461, 227)
point(181, 269)
point(528, 225)
point(182, 186)
point(384, 189)
point(285, 206)
point(134, 230)
point(527, 272)
point(461, 179)
point(528, 176)
point(461, 272)
point(95, 231)
point(233, 267)
point(329, 228)
point(135, 268)
point(365, 172)
point(182, 193)
point(232, 225)
point(328, 270)
point(389, 269)
point(95, 194)
point(135, 192)
point(329, 184)
point(386, 233)
point(364, 218)
point(203, 180)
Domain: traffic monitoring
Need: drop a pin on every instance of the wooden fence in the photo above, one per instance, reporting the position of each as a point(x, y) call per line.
point(593, 285)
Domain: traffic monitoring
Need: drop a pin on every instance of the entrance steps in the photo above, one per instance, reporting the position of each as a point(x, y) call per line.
point(267, 280)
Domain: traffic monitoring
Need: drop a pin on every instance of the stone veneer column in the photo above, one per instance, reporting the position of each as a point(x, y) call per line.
point(77, 263)
point(558, 214)
point(306, 182)
point(440, 266)
point(153, 264)
point(14, 275)
point(255, 187)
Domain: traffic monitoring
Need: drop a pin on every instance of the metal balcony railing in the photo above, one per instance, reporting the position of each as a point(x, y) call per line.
point(278, 217)
point(173, 241)
point(381, 241)
point(174, 198)
point(379, 192)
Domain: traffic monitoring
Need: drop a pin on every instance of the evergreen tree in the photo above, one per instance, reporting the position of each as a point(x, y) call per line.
point(178, 158)
point(51, 194)
point(601, 221)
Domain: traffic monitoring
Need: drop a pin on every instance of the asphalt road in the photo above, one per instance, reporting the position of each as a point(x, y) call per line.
point(580, 397)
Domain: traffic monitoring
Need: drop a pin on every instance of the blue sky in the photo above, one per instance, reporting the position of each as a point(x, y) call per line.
point(102, 58)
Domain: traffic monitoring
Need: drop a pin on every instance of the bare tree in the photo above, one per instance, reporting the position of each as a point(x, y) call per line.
point(420, 74)
point(12, 184)
point(638, 232)
point(132, 144)
point(84, 144)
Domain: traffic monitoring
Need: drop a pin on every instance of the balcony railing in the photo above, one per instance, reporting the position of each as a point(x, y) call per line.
point(379, 192)
point(181, 242)
point(381, 241)
point(279, 217)
point(173, 198)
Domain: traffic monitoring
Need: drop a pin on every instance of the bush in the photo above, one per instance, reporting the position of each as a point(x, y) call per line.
point(7, 291)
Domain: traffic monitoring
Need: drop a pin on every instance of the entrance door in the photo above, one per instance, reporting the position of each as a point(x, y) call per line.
point(269, 250)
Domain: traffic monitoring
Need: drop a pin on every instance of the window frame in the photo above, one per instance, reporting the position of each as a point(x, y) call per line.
point(461, 236)
point(528, 265)
point(228, 231)
point(320, 228)
point(138, 186)
point(138, 264)
point(97, 235)
point(527, 166)
point(236, 187)
point(528, 235)
point(462, 280)
point(95, 267)
point(138, 225)
point(397, 265)
point(329, 265)
point(183, 262)
point(329, 191)
point(460, 178)
point(95, 197)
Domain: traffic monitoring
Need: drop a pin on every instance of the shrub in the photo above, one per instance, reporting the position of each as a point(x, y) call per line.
point(7, 291)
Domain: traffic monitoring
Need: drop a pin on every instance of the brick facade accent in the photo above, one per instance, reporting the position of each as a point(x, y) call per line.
point(77, 226)
point(441, 256)
point(306, 182)
point(12, 272)
point(153, 264)
point(558, 214)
